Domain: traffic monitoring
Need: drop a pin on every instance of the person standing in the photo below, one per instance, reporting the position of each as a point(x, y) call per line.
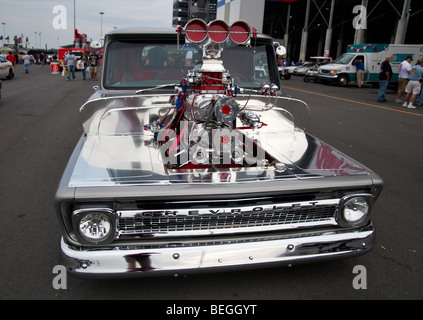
point(70, 60)
point(384, 77)
point(26, 62)
point(414, 85)
point(42, 59)
point(10, 57)
point(85, 64)
point(93, 59)
point(404, 74)
point(360, 72)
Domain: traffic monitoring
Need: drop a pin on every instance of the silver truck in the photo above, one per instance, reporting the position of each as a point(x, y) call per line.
point(191, 161)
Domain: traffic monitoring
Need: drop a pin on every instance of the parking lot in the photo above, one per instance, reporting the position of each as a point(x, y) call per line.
point(39, 128)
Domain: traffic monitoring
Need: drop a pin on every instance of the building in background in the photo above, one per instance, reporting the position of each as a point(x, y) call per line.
point(251, 11)
point(325, 27)
point(185, 10)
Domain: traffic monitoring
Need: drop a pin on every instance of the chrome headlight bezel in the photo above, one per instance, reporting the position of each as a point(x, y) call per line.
point(362, 203)
point(82, 216)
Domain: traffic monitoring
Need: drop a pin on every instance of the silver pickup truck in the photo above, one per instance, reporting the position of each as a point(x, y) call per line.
point(193, 160)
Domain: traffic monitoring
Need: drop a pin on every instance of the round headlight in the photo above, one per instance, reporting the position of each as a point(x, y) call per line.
point(356, 209)
point(95, 225)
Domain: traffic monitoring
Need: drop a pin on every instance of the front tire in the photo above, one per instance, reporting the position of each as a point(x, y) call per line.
point(343, 80)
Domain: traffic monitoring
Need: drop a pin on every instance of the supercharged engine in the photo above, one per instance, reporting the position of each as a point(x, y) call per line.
point(205, 128)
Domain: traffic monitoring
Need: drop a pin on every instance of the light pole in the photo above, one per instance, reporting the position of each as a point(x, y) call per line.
point(101, 26)
point(4, 31)
point(74, 23)
point(74, 16)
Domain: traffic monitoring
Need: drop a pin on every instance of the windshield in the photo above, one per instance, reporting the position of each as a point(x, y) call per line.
point(344, 59)
point(134, 64)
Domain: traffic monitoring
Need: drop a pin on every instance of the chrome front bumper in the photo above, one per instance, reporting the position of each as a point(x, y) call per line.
point(217, 255)
point(328, 77)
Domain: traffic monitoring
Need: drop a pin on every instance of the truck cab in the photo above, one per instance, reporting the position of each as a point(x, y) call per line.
point(343, 70)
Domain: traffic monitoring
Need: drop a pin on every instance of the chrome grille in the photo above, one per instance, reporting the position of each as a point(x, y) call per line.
point(173, 225)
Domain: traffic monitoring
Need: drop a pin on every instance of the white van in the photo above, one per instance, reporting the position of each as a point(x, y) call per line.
point(343, 70)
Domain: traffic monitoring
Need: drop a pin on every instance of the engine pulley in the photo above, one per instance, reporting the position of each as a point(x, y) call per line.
point(226, 109)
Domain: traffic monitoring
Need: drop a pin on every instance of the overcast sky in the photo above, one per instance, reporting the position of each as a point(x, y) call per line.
point(30, 17)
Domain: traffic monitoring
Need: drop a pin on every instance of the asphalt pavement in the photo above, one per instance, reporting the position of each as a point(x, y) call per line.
point(39, 128)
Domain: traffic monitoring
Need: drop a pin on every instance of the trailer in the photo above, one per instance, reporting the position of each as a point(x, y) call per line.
point(343, 69)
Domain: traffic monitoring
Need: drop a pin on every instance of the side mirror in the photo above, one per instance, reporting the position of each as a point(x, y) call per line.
point(280, 50)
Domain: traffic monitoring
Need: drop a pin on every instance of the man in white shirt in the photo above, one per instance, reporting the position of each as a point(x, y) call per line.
point(404, 74)
point(27, 61)
point(414, 85)
point(71, 61)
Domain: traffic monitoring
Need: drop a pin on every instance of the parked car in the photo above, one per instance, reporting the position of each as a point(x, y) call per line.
point(206, 169)
point(290, 69)
point(301, 70)
point(6, 69)
point(312, 74)
point(0, 88)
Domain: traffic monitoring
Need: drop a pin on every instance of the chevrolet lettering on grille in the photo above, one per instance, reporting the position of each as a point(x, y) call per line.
point(220, 211)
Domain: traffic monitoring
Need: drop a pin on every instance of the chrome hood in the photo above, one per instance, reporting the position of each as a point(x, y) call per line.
point(116, 150)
